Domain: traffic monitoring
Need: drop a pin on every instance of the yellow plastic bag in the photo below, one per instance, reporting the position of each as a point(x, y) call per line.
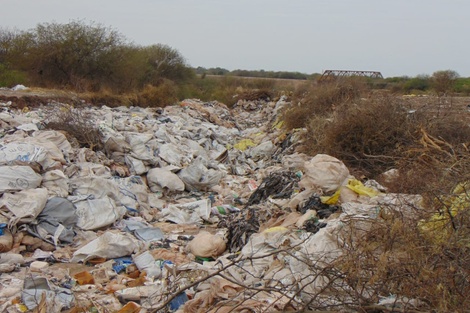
point(438, 226)
point(275, 229)
point(244, 144)
point(331, 200)
point(360, 189)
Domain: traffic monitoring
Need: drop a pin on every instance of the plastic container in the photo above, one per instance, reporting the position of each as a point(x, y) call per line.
point(146, 262)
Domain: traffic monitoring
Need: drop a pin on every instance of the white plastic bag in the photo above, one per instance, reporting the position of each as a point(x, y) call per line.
point(110, 245)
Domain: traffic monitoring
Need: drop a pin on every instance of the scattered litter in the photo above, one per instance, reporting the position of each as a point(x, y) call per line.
point(175, 195)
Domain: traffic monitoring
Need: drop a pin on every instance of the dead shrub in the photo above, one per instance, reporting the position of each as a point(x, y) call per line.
point(76, 123)
point(312, 100)
point(256, 94)
point(161, 95)
point(432, 164)
point(399, 255)
point(367, 134)
point(108, 98)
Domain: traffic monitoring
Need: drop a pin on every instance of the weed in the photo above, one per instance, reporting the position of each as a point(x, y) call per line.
point(76, 123)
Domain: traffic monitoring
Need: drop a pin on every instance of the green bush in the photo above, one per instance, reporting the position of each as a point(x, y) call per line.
point(89, 57)
point(443, 82)
point(10, 78)
point(420, 82)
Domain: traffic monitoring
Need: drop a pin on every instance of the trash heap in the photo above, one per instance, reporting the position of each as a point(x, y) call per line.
point(190, 208)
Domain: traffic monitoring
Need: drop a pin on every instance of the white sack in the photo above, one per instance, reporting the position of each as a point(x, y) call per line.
point(98, 187)
point(263, 150)
point(56, 183)
point(54, 157)
point(93, 169)
point(133, 192)
point(188, 213)
point(16, 178)
point(22, 151)
point(114, 144)
point(136, 166)
point(197, 176)
point(57, 138)
point(25, 205)
point(324, 172)
point(110, 245)
point(207, 245)
point(159, 177)
point(171, 154)
point(97, 213)
point(295, 161)
point(140, 149)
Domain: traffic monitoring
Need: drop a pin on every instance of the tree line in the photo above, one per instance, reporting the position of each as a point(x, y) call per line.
point(87, 57)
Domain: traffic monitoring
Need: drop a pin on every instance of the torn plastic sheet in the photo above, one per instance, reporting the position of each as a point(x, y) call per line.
point(198, 177)
point(56, 222)
point(188, 213)
point(110, 245)
point(35, 288)
point(142, 231)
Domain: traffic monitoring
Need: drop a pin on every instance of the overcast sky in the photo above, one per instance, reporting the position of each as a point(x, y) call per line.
point(399, 37)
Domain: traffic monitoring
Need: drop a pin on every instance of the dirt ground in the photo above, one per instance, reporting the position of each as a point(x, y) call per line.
point(35, 97)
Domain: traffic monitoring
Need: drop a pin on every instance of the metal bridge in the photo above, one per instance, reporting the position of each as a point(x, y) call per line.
point(333, 74)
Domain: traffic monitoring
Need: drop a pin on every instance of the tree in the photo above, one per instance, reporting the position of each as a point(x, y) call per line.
point(74, 55)
point(164, 62)
point(443, 81)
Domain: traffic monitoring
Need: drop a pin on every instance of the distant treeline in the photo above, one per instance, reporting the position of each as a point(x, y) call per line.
point(447, 80)
point(89, 57)
point(256, 73)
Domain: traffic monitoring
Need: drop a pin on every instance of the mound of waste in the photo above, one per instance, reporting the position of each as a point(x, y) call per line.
point(190, 208)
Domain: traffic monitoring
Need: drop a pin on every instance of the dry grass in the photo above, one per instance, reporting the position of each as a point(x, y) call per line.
point(312, 100)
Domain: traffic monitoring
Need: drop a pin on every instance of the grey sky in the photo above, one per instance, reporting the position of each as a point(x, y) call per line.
point(399, 37)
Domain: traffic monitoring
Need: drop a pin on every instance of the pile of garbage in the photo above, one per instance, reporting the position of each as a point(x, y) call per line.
point(190, 208)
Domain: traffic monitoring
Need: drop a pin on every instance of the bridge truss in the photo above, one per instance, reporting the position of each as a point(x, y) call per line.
point(334, 74)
